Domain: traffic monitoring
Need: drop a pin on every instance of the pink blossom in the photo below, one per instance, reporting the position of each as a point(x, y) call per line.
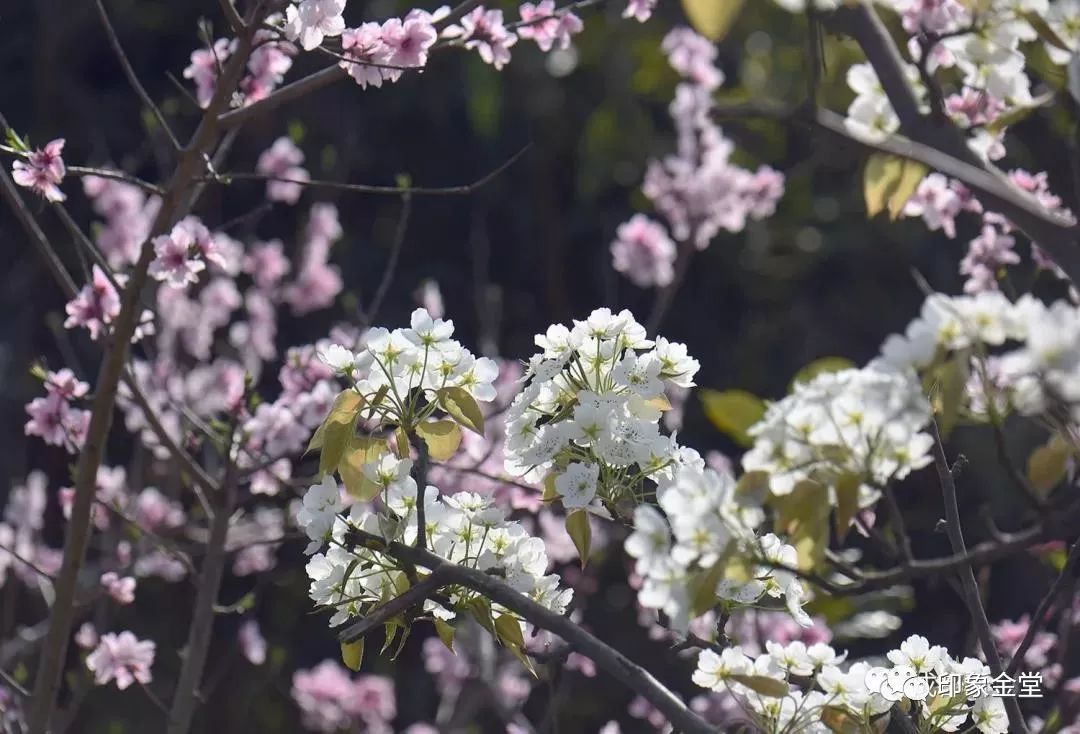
point(639, 10)
point(87, 637)
point(549, 28)
point(64, 383)
point(57, 423)
point(176, 263)
point(204, 66)
point(972, 107)
point(408, 41)
point(270, 60)
point(312, 20)
point(129, 214)
point(26, 504)
point(937, 203)
point(283, 160)
point(155, 512)
point(987, 254)
point(267, 264)
point(643, 252)
point(122, 658)
point(95, 306)
point(330, 700)
point(366, 55)
point(693, 56)
point(935, 17)
point(42, 171)
point(482, 30)
point(252, 643)
point(122, 590)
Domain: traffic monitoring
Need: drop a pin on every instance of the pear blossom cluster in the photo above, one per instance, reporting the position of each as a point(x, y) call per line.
point(698, 190)
point(866, 422)
point(796, 686)
point(704, 522)
point(464, 528)
point(1023, 354)
point(404, 364)
point(589, 414)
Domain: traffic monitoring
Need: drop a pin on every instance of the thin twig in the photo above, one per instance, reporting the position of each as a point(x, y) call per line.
point(1064, 579)
point(459, 190)
point(132, 77)
point(412, 596)
point(391, 262)
point(970, 587)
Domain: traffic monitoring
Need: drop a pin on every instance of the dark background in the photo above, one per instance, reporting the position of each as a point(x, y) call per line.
point(530, 249)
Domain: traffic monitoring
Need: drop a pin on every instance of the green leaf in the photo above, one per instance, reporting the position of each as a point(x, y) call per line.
point(462, 407)
point(1048, 465)
point(352, 654)
point(442, 438)
point(703, 585)
point(762, 684)
point(334, 433)
point(550, 492)
point(361, 450)
point(839, 720)
point(733, 412)
point(803, 515)
point(950, 390)
point(888, 183)
point(577, 525)
point(713, 18)
point(847, 501)
point(1046, 33)
point(824, 365)
point(445, 630)
point(508, 628)
point(508, 631)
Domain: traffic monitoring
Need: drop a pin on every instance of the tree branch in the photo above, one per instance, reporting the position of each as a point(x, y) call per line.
point(969, 586)
point(188, 167)
point(1063, 581)
point(614, 662)
point(415, 594)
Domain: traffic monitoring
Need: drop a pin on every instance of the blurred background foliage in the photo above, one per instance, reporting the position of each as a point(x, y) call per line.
point(530, 249)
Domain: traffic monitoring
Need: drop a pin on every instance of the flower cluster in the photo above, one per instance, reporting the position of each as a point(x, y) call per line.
point(1039, 374)
point(271, 58)
point(332, 701)
point(374, 53)
point(185, 251)
point(463, 528)
point(806, 687)
point(590, 413)
point(283, 163)
point(393, 370)
point(866, 423)
point(706, 525)
point(698, 190)
point(54, 418)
